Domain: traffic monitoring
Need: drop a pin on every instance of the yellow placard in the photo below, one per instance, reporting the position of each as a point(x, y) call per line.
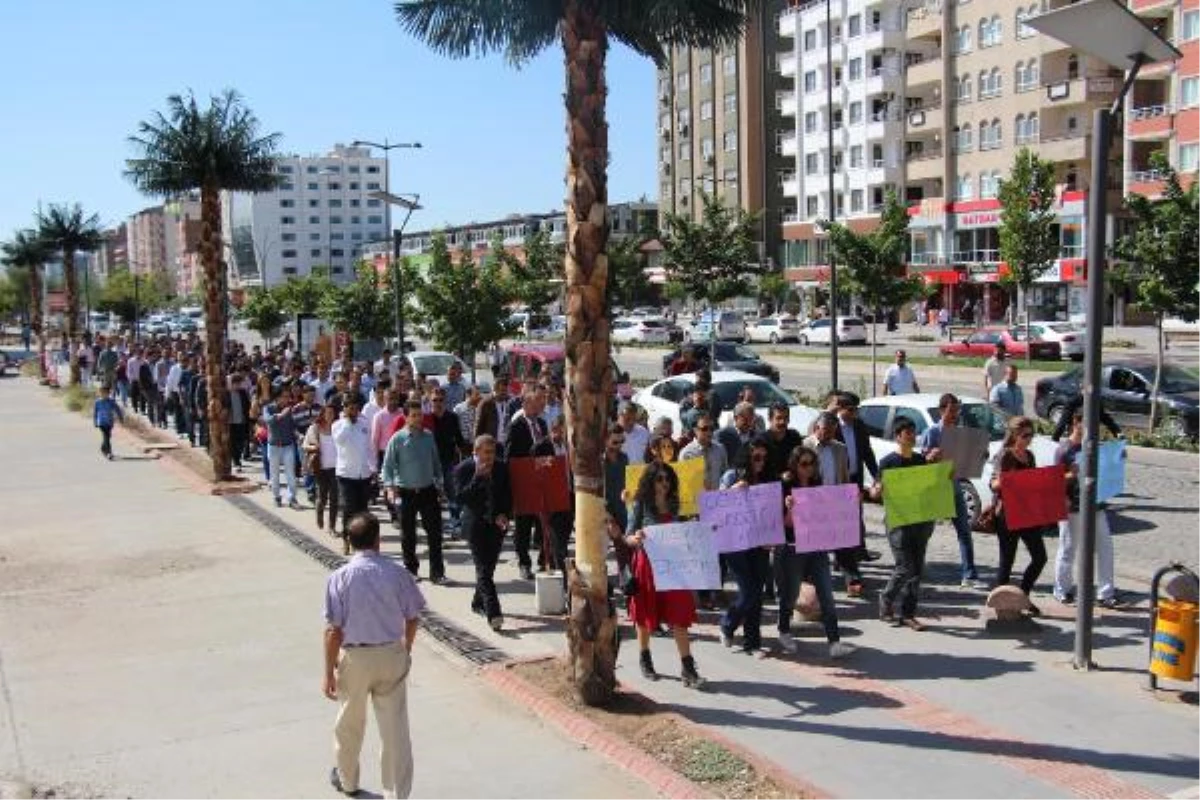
point(691, 483)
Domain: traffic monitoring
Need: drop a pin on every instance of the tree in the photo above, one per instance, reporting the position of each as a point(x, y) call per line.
point(773, 288)
point(127, 295)
point(714, 258)
point(583, 28)
point(465, 305)
point(213, 150)
point(262, 313)
point(1028, 239)
point(873, 264)
point(26, 250)
point(303, 296)
point(627, 282)
point(66, 229)
point(1161, 252)
point(536, 280)
point(363, 308)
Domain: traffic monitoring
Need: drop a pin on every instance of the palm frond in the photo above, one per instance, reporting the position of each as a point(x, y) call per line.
point(459, 28)
point(26, 250)
point(650, 26)
point(67, 229)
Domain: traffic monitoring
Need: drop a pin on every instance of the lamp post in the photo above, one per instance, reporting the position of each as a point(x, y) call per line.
point(387, 147)
point(1111, 33)
point(410, 203)
point(833, 338)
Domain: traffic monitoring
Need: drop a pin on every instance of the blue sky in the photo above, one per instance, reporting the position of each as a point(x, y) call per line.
point(78, 76)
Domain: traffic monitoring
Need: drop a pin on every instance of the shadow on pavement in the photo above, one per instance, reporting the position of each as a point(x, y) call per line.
point(807, 700)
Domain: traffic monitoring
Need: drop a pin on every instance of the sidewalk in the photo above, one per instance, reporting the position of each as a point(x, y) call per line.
point(155, 642)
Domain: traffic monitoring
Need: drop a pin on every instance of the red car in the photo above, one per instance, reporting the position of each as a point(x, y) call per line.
point(983, 343)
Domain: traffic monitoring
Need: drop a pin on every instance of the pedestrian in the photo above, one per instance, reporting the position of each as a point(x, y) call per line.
point(527, 436)
point(561, 522)
point(320, 456)
point(657, 502)
point(1007, 395)
point(1075, 405)
point(104, 410)
point(716, 462)
point(781, 439)
point(685, 363)
point(740, 431)
point(943, 321)
point(107, 361)
point(835, 470)
point(900, 378)
point(994, 368)
point(238, 403)
point(412, 476)
point(1068, 529)
point(636, 435)
point(617, 512)
point(372, 608)
point(1015, 455)
point(281, 445)
point(455, 389)
point(483, 490)
point(751, 567)
point(450, 443)
point(466, 411)
point(853, 433)
point(355, 462)
point(949, 411)
point(898, 600)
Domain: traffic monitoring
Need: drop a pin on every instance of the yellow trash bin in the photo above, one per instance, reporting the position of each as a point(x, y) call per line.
point(1174, 652)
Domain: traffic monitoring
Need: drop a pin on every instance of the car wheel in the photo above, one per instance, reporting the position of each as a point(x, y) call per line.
point(803, 340)
point(971, 500)
point(774, 339)
point(1055, 414)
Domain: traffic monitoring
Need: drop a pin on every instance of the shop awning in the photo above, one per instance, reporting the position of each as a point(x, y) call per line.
point(946, 277)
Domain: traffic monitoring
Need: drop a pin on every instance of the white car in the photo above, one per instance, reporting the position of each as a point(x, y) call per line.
point(434, 364)
point(774, 329)
point(662, 399)
point(640, 331)
point(880, 413)
point(851, 330)
point(1071, 338)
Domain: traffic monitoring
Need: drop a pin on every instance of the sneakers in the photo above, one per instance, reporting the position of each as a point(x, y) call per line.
point(839, 650)
point(726, 638)
point(439, 580)
point(526, 573)
point(1033, 610)
point(887, 615)
point(912, 623)
point(688, 674)
point(497, 623)
point(647, 665)
point(1109, 603)
point(294, 504)
point(1067, 599)
point(278, 503)
point(973, 583)
point(787, 643)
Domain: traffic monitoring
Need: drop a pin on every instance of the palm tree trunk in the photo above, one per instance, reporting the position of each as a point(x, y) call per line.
point(71, 289)
point(35, 316)
point(214, 331)
point(591, 632)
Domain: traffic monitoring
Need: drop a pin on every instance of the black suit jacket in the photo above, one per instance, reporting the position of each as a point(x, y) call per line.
point(482, 499)
point(520, 439)
point(864, 455)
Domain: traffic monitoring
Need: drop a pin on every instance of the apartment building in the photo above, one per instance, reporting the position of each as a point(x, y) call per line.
point(114, 251)
point(147, 241)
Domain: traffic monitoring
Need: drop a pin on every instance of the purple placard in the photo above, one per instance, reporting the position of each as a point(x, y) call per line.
point(744, 518)
point(826, 517)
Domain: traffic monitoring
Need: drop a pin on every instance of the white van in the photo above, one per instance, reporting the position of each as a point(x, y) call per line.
point(731, 326)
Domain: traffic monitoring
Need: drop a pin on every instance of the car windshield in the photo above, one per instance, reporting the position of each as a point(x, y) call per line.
point(981, 416)
point(725, 395)
point(434, 364)
point(735, 352)
point(1176, 380)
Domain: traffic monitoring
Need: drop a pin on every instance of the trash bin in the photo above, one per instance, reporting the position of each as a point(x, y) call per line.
point(1173, 654)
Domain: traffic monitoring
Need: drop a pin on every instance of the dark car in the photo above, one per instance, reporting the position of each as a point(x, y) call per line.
point(1126, 395)
point(730, 356)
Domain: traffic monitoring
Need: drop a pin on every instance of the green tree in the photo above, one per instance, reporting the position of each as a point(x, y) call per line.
point(67, 230)
point(1161, 253)
point(715, 258)
point(1028, 239)
point(627, 279)
point(773, 289)
point(583, 29)
point(262, 313)
point(873, 265)
point(464, 305)
point(127, 295)
point(303, 296)
point(363, 308)
point(536, 279)
point(27, 251)
point(211, 150)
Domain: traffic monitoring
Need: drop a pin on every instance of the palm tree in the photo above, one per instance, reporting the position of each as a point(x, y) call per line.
point(211, 150)
point(27, 251)
point(65, 228)
point(521, 29)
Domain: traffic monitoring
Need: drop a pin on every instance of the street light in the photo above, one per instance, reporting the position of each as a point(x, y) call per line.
point(409, 206)
point(387, 147)
point(833, 334)
point(1111, 33)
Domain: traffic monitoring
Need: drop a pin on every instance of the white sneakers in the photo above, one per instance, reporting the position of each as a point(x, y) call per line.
point(787, 643)
point(838, 650)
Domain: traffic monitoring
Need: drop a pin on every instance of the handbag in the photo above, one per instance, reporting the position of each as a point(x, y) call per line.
point(987, 518)
point(312, 462)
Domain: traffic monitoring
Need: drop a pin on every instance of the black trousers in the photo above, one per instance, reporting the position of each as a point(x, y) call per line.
point(908, 545)
point(1034, 543)
point(106, 439)
point(423, 502)
point(327, 496)
point(239, 432)
point(354, 493)
point(485, 541)
point(527, 528)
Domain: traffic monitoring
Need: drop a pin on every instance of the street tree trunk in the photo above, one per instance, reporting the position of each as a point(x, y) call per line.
point(1158, 368)
point(1025, 314)
point(214, 331)
point(874, 346)
point(35, 317)
point(71, 289)
point(591, 631)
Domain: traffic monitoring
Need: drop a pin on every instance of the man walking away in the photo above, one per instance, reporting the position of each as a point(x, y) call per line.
point(355, 462)
point(103, 412)
point(371, 614)
point(482, 486)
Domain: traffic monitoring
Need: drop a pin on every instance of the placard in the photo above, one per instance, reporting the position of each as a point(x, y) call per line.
point(539, 485)
point(918, 494)
point(967, 449)
point(744, 518)
point(1110, 478)
point(826, 517)
point(691, 483)
point(1034, 498)
point(683, 556)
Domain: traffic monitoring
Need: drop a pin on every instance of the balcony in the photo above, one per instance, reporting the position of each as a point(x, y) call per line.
point(790, 186)
point(1065, 145)
point(788, 23)
point(925, 164)
point(886, 77)
point(1064, 91)
point(1152, 8)
point(926, 118)
point(787, 103)
point(787, 64)
point(924, 72)
point(787, 144)
point(885, 33)
point(885, 125)
point(1150, 123)
point(924, 21)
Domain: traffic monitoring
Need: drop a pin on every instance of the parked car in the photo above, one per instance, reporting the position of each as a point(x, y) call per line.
point(851, 330)
point(530, 326)
point(183, 325)
point(523, 364)
point(730, 325)
point(433, 364)
point(662, 399)
point(1125, 394)
point(1071, 338)
point(879, 414)
point(774, 329)
point(983, 343)
point(4, 364)
point(639, 331)
point(730, 356)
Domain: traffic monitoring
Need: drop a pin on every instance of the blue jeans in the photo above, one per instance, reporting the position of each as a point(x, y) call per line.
point(966, 545)
point(283, 460)
point(750, 569)
point(791, 569)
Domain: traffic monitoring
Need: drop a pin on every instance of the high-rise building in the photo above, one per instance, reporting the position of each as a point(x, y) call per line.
point(113, 252)
point(318, 219)
point(146, 231)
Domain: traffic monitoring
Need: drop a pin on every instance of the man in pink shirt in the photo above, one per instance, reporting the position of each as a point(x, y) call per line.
point(381, 427)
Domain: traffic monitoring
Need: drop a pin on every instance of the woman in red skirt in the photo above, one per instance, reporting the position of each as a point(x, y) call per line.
point(657, 502)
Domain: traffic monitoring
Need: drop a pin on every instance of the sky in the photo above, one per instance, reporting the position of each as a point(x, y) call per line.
point(79, 75)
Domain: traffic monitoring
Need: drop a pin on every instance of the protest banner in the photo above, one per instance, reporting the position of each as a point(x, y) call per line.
point(691, 483)
point(744, 518)
point(1034, 498)
point(683, 556)
point(826, 517)
point(967, 448)
point(1110, 478)
point(539, 485)
point(918, 494)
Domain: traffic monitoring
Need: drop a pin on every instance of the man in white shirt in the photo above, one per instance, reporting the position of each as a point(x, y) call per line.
point(899, 378)
point(355, 459)
point(637, 438)
point(994, 368)
point(323, 383)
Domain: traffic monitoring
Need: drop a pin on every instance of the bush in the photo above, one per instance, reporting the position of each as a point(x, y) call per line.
point(1163, 439)
point(921, 337)
point(78, 398)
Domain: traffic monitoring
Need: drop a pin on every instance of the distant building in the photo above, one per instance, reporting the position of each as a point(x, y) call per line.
point(147, 241)
point(114, 252)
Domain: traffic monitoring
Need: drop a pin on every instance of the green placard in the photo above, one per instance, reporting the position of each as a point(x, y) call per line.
point(918, 494)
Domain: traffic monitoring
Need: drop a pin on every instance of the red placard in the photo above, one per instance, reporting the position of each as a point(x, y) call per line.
point(1034, 498)
point(539, 485)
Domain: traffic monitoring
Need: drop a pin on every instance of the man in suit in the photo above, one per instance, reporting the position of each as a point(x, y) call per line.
point(482, 489)
point(738, 433)
point(853, 433)
point(528, 436)
point(835, 470)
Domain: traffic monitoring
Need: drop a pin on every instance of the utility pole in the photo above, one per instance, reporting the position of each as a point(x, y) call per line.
point(833, 328)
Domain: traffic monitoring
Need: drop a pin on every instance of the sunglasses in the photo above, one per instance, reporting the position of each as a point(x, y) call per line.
point(808, 462)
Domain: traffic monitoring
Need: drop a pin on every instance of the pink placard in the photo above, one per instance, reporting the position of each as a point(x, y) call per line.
point(826, 517)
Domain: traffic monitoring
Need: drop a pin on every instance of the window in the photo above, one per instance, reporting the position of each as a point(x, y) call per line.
point(856, 112)
point(335, 186)
point(811, 206)
point(337, 237)
point(314, 237)
point(355, 202)
point(856, 156)
point(287, 186)
point(854, 26)
point(989, 32)
point(314, 203)
point(355, 220)
point(315, 252)
point(354, 186)
point(988, 184)
point(1025, 75)
point(337, 252)
point(706, 147)
point(683, 82)
point(964, 190)
point(313, 186)
point(683, 118)
point(962, 87)
point(810, 40)
point(372, 203)
point(1189, 157)
point(1191, 25)
point(1023, 30)
point(810, 122)
point(730, 176)
point(1025, 128)
point(352, 169)
point(857, 198)
point(705, 74)
point(335, 220)
point(729, 141)
point(310, 169)
point(1189, 92)
point(989, 135)
point(706, 109)
point(685, 151)
point(285, 169)
point(989, 83)
point(856, 71)
point(837, 119)
point(287, 203)
point(962, 40)
point(961, 139)
point(731, 103)
point(811, 164)
point(372, 170)
point(287, 220)
point(289, 270)
point(729, 65)
point(289, 254)
point(314, 220)
point(685, 186)
point(374, 219)
point(288, 237)
point(810, 81)
point(373, 186)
